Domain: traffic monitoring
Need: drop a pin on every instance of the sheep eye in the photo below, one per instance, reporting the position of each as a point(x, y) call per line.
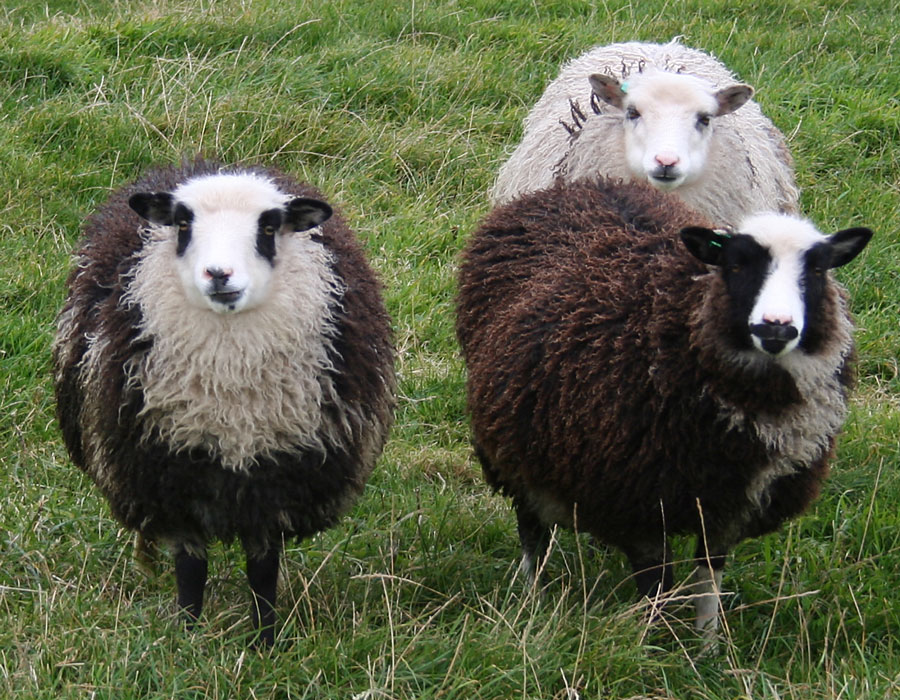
point(703, 120)
point(632, 114)
point(269, 230)
point(183, 226)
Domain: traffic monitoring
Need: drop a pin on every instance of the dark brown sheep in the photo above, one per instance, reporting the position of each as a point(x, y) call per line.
point(640, 384)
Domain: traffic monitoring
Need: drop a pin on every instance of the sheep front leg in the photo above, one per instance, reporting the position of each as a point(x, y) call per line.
point(534, 537)
point(190, 580)
point(262, 573)
point(707, 585)
point(652, 567)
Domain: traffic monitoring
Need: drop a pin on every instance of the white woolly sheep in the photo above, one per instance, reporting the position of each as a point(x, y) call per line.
point(223, 367)
point(664, 113)
point(639, 385)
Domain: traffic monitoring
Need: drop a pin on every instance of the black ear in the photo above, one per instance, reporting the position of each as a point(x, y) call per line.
point(156, 207)
point(304, 213)
point(607, 89)
point(847, 244)
point(706, 244)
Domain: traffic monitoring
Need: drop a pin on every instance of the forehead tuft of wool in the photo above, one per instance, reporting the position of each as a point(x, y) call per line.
point(229, 191)
point(783, 235)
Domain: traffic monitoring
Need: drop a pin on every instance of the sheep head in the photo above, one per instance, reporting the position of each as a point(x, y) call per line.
point(775, 270)
point(225, 230)
point(668, 121)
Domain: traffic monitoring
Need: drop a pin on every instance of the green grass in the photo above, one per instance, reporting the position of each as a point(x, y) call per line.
point(402, 112)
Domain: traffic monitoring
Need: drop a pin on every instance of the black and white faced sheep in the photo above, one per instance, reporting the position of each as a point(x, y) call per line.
point(637, 384)
point(666, 114)
point(223, 367)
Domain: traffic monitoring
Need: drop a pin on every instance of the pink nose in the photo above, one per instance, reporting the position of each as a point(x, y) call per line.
point(667, 159)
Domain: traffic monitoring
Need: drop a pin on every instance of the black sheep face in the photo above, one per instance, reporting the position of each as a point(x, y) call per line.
point(226, 230)
point(775, 270)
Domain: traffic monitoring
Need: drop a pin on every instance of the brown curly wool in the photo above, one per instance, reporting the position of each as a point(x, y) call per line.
point(612, 387)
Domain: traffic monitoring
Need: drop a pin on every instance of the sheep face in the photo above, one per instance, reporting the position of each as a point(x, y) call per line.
point(225, 230)
point(668, 122)
point(775, 270)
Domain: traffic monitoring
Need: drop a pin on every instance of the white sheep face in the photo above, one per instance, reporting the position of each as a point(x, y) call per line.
point(225, 230)
point(668, 120)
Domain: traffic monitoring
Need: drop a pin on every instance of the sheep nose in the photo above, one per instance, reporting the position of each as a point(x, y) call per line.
point(667, 160)
point(217, 276)
point(774, 335)
point(217, 273)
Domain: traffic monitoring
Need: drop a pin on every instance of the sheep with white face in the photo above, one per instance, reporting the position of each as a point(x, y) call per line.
point(226, 234)
point(666, 114)
point(223, 367)
point(667, 122)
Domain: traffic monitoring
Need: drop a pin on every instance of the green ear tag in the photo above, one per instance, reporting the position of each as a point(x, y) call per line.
point(721, 233)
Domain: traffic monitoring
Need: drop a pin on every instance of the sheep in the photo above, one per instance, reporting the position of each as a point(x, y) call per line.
point(224, 367)
point(636, 386)
point(664, 113)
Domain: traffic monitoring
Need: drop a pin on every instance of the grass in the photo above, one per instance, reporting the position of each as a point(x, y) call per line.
point(402, 112)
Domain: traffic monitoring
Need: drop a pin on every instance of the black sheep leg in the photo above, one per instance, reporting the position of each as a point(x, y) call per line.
point(262, 573)
point(190, 580)
point(534, 537)
point(652, 566)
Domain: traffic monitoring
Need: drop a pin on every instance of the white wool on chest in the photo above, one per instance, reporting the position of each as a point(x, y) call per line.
point(246, 385)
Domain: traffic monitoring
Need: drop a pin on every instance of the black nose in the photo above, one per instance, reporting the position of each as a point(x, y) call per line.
point(774, 336)
point(218, 276)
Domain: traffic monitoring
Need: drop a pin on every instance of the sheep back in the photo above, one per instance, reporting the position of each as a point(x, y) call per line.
point(171, 492)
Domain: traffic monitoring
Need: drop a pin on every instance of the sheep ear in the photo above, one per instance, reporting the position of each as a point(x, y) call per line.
point(847, 244)
point(705, 244)
point(304, 213)
point(608, 89)
point(731, 98)
point(156, 207)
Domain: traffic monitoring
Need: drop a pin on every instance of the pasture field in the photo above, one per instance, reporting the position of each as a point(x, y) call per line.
point(401, 111)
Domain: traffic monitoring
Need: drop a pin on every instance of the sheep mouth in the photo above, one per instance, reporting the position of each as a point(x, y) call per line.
point(665, 178)
point(225, 298)
point(773, 338)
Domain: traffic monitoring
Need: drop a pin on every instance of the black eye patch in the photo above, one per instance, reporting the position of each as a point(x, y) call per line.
point(182, 218)
point(270, 222)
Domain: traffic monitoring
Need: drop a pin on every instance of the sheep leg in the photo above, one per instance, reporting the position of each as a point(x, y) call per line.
point(190, 580)
point(652, 567)
point(707, 584)
point(534, 537)
point(262, 573)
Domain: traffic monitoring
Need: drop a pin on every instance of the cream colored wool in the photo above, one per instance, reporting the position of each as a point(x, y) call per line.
point(749, 168)
point(244, 385)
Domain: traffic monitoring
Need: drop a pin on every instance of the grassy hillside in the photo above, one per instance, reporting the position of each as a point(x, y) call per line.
point(402, 112)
